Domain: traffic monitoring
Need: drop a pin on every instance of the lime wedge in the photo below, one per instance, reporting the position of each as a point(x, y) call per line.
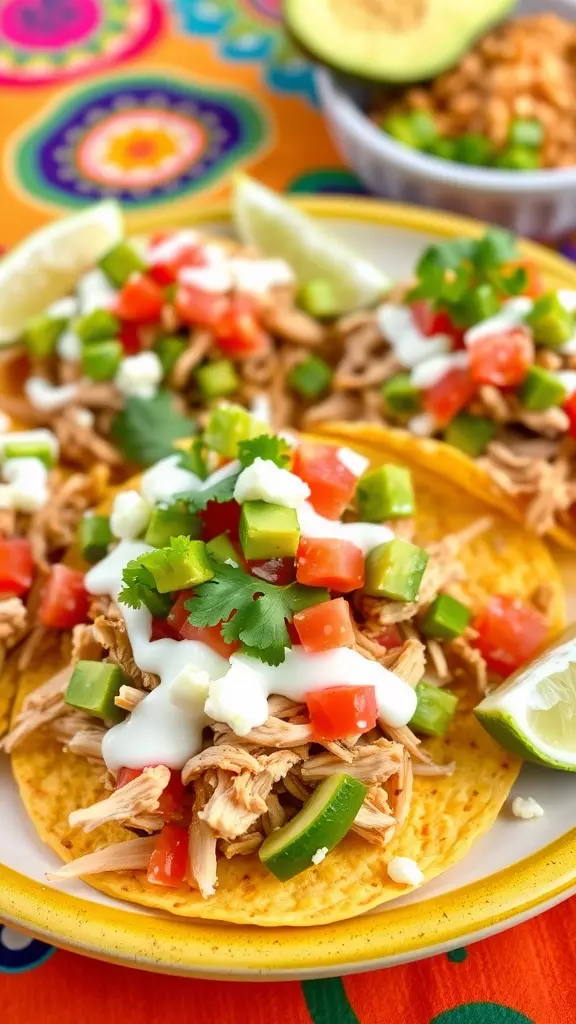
point(264, 219)
point(534, 713)
point(47, 264)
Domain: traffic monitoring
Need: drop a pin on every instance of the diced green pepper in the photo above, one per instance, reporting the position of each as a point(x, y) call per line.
point(385, 493)
point(27, 449)
point(268, 531)
point(482, 303)
point(120, 262)
point(101, 359)
point(446, 618)
point(222, 550)
point(416, 129)
point(473, 148)
point(443, 148)
point(42, 333)
point(518, 158)
point(230, 424)
point(174, 521)
point(317, 298)
point(471, 434)
point(395, 570)
point(526, 131)
point(100, 325)
point(94, 536)
point(169, 349)
point(218, 379)
point(434, 710)
point(177, 567)
point(400, 397)
point(311, 378)
point(92, 688)
point(552, 324)
point(541, 390)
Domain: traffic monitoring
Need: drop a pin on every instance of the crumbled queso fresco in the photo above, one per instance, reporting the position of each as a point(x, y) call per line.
point(320, 855)
point(526, 808)
point(405, 871)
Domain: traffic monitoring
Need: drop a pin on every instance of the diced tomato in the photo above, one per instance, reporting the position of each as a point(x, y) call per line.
point(16, 566)
point(331, 483)
point(169, 861)
point(293, 634)
point(209, 635)
point(389, 637)
point(239, 332)
point(342, 711)
point(130, 337)
point(163, 630)
point(325, 562)
point(221, 517)
point(449, 395)
point(510, 633)
point(140, 299)
point(195, 306)
point(502, 359)
point(570, 410)
point(432, 321)
point(325, 626)
point(535, 284)
point(64, 601)
point(178, 614)
point(170, 800)
point(165, 272)
point(274, 570)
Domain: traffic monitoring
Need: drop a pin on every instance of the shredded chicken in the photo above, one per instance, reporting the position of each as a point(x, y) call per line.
point(404, 736)
point(374, 819)
point(241, 847)
point(53, 527)
point(225, 757)
point(408, 661)
point(13, 622)
point(42, 706)
point(548, 486)
point(133, 855)
point(435, 653)
point(111, 633)
point(80, 734)
point(462, 649)
point(400, 790)
point(85, 646)
point(202, 865)
point(128, 697)
point(433, 769)
point(238, 801)
point(274, 733)
point(136, 798)
point(374, 762)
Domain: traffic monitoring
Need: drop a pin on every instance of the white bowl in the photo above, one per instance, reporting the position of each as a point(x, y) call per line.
point(537, 203)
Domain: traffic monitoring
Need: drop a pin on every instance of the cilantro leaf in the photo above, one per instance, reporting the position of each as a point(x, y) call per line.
point(194, 458)
point(264, 446)
point(146, 428)
point(251, 610)
point(221, 491)
point(140, 589)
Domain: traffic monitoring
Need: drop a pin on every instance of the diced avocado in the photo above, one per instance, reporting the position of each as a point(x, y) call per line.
point(268, 531)
point(395, 570)
point(28, 449)
point(100, 325)
point(174, 521)
point(434, 710)
point(92, 688)
point(416, 128)
point(94, 536)
point(218, 379)
point(317, 298)
point(443, 148)
point(552, 324)
point(541, 390)
point(230, 424)
point(385, 493)
point(222, 550)
point(311, 378)
point(120, 262)
point(471, 434)
point(169, 349)
point(518, 158)
point(473, 148)
point(182, 564)
point(526, 131)
point(446, 618)
point(42, 333)
point(399, 395)
point(316, 829)
point(101, 359)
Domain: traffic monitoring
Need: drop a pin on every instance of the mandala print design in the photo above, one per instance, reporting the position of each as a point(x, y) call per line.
point(251, 30)
point(48, 41)
point(140, 139)
point(18, 952)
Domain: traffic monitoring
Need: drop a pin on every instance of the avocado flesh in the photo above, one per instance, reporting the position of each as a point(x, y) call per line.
point(362, 38)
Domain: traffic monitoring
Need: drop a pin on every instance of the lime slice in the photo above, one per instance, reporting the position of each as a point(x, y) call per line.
point(266, 220)
point(534, 713)
point(45, 266)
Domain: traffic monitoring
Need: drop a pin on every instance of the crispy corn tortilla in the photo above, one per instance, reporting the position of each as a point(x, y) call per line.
point(446, 816)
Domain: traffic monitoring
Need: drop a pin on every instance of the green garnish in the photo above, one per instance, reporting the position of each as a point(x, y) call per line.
point(218, 379)
point(101, 359)
point(182, 563)
point(443, 148)
point(268, 531)
point(518, 158)
point(100, 325)
point(222, 550)
point(552, 324)
point(42, 333)
point(120, 262)
point(193, 458)
point(400, 396)
point(416, 129)
point(317, 298)
point(446, 618)
point(140, 589)
point(251, 610)
point(471, 434)
point(94, 536)
point(541, 389)
point(434, 710)
point(265, 446)
point(395, 570)
point(311, 378)
point(221, 491)
point(174, 521)
point(169, 349)
point(473, 148)
point(36, 449)
point(227, 426)
point(526, 131)
point(146, 428)
point(92, 688)
point(385, 493)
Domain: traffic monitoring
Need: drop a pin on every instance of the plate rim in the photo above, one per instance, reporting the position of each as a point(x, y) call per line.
point(214, 950)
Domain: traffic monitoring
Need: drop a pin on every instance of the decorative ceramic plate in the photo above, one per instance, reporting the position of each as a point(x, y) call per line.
point(515, 871)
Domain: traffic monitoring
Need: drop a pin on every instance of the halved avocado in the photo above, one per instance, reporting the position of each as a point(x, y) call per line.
point(391, 40)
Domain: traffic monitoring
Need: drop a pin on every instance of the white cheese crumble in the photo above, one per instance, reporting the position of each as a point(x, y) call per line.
point(320, 855)
point(63, 309)
point(26, 487)
point(512, 314)
point(69, 346)
point(567, 379)
point(256, 277)
point(405, 871)
point(130, 515)
point(567, 296)
point(189, 689)
point(526, 808)
point(357, 464)
point(139, 375)
point(429, 372)
point(422, 425)
point(260, 408)
point(95, 291)
point(411, 347)
point(215, 279)
point(49, 397)
point(85, 417)
point(172, 247)
point(265, 481)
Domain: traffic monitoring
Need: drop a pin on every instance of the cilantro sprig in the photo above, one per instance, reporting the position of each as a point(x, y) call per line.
point(265, 446)
point(221, 491)
point(194, 458)
point(140, 589)
point(146, 428)
point(251, 610)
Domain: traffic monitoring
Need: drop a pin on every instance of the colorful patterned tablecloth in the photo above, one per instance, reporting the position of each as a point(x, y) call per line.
point(155, 104)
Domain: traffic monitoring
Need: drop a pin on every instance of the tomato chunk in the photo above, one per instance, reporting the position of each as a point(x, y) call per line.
point(195, 306)
point(16, 566)
point(221, 517)
point(239, 332)
point(170, 800)
point(510, 633)
point(331, 483)
point(435, 321)
point(140, 299)
point(279, 571)
point(163, 630)
point(449, 395)
point(342, 711)
point(325, 626)
point(501, 359)
point(64, 601)
point(326, 562)
point(165, 271)
point(209, 635)
point(389, 637)
point(570, 410)
point(169, 861)
point(130, 337)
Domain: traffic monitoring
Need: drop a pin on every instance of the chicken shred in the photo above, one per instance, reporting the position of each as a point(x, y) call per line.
point(136, 798)
point(202, 862)
point(225, 757)
point(374, 762)
point(133, 855)
point(41, 707)
point(111, 633)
